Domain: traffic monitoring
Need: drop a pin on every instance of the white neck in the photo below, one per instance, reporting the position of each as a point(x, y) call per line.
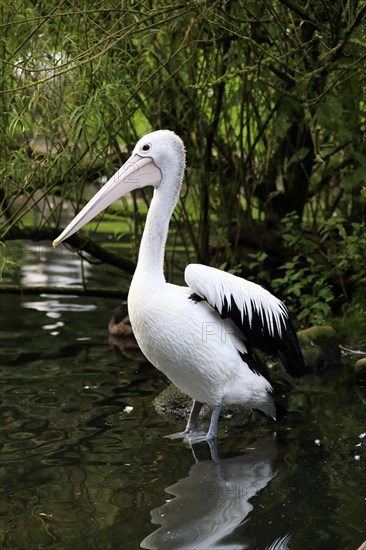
point(150, 265)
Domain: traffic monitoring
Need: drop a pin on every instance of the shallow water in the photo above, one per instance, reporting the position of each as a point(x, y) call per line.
point(84, 461)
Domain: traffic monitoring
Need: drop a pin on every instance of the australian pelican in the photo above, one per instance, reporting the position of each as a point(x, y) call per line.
point(201, 336)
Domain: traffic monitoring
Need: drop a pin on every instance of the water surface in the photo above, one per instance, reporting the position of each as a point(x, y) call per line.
point(84, 461)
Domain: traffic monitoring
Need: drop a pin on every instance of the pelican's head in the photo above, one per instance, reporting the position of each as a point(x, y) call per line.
point(164, 148)
point(155, 155)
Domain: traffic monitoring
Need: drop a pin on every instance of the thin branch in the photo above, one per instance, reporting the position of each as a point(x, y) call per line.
point(353, 351)
point(300, 11)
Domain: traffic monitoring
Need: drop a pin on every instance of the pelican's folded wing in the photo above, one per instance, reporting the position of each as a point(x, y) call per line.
point(263, 319)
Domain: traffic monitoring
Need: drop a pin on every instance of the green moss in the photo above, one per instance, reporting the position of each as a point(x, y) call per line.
point(173, 402)
point(316, 335)
point(320, 344)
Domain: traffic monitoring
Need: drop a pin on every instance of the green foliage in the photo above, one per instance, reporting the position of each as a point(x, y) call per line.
point(7, 265)
point(323, 271)
point(306, 289)
point(353, 321)
point(268, 97)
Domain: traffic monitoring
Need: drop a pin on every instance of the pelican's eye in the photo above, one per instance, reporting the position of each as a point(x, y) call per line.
point(146, 147)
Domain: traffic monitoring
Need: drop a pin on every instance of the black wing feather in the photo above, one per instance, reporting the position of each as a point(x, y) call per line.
point(263, 320)
point(282, 343)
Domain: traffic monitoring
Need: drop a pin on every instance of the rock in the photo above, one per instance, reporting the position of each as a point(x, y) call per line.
point(121, 335)
point(173, 403)
point(360, 369)
point(176, 405)
point(322, 338)
point(119, 324)
point(363, 546)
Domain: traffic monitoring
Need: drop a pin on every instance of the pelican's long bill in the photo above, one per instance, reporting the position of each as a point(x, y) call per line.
point(134, 174)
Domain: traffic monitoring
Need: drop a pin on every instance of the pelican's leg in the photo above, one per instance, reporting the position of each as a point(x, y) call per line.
point(212, 431)
point(195, 437)
point(192, 423)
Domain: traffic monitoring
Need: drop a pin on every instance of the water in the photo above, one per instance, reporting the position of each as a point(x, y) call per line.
point(85, 465)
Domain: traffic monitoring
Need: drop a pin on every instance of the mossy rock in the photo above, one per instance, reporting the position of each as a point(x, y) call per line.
point(173, 403)
point(320, 346)
point(176, 405)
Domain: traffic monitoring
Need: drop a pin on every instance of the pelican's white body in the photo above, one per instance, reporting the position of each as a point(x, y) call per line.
point(193, 346)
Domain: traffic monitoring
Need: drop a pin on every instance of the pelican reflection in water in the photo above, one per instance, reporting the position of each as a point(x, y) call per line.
point(206, 508)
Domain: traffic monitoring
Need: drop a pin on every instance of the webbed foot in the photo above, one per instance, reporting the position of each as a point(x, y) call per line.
point(197, 436)
point(186, 434)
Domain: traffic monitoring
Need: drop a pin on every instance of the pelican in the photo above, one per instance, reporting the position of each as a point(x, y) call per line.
point(202, 336)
